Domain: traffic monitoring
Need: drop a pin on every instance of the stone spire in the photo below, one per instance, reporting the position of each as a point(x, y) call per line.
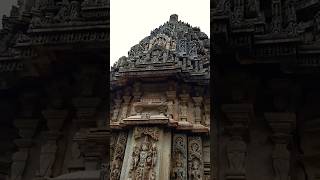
point(173, 18)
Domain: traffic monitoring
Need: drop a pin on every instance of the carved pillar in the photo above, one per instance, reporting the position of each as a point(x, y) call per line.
point(125, 107)
point(183, 112)
point(116, 162)
point(184, 107)
point(85, 111)
point(116, 109)
point(55, 120)
point(207, 112)
point(136, 96)
point(94, 146)
point(238, 118)
point(171, 98)
point(26, 124)
point(197, 110)
point(195, 159)
point(197, 126)
point(179, 157)
point(27, 128)
point(85, 120)
point(276, 16)
point(282, 125)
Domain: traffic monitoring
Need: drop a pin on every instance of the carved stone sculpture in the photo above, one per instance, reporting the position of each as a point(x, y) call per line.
point(47, 158)
point(281, 162)
point(144, 159)
point(179, 157)
point(236, 152)
point(195, 162)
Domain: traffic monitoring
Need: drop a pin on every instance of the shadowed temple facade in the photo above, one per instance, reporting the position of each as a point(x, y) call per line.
point(160, 111)
point(266, 69)
point(53, 90)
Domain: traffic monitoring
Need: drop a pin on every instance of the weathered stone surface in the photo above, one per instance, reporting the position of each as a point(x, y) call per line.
point(158, 96)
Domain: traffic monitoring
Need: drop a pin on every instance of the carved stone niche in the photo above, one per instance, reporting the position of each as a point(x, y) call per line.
point(239, 116)
point(282, 125)
point(151, 109)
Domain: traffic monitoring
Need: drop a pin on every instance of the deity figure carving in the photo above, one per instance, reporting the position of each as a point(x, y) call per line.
point(317, 23)
point(47, 158)
point(118, 156)
point(281, 162)
point(116, 110)
point(155, 55)
point(291, 17)
point(115, 171)
point(236, 151)
point(193, 49)
point(62, 13)
point(74, 10)
point(195, 173)
point(183, 46)
point(144, 159)
point(195, 169)
point(276, 16)
point(179, 172)
point(18, 164)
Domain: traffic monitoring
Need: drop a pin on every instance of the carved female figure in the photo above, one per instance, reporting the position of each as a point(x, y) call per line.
point(281, 162)
point(236, 150)
point(195, 170)
point(178, 171)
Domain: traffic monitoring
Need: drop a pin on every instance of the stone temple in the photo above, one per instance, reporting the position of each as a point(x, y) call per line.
point(160, 111)
point(53, 105)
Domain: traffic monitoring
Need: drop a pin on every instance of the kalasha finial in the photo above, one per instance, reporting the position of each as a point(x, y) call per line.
point(174, 18)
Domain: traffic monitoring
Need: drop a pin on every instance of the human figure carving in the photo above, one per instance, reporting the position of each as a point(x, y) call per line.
point(236, 150)
point(281, 162)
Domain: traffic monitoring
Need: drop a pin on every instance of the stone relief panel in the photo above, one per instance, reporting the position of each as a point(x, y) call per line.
point(118, 156)
point(144, 156)
point(195, 159)
point(179, 157)
point(236, 154)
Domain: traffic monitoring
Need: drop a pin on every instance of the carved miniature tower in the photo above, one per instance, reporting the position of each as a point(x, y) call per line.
point(160, 113)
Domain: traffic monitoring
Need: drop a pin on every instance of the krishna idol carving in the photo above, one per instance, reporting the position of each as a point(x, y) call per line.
point(144, 156)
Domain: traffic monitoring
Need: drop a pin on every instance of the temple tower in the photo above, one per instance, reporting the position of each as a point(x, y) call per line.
point(160, 111)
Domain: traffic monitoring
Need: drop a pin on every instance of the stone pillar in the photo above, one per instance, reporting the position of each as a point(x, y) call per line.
point(179, 157)
point(26, 124)
point(195, 158)
point(171, 111)
point(86, 121)
point(86, 108)
point(125, 106)
point(183, 110)
point(94, 146)
point(197, 110)
point(136, 96)
point(207, 112)
point(238, 118)
point(276, 24)
point(282, 124)
point(116, 109)
point(27, 128)
point(116, 162)
point(55, 120)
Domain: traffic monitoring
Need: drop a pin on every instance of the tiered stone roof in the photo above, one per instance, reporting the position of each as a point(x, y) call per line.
point(173, 49)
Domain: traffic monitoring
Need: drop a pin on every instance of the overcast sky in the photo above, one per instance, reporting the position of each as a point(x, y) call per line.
point(132, 20)
point(5, 7)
